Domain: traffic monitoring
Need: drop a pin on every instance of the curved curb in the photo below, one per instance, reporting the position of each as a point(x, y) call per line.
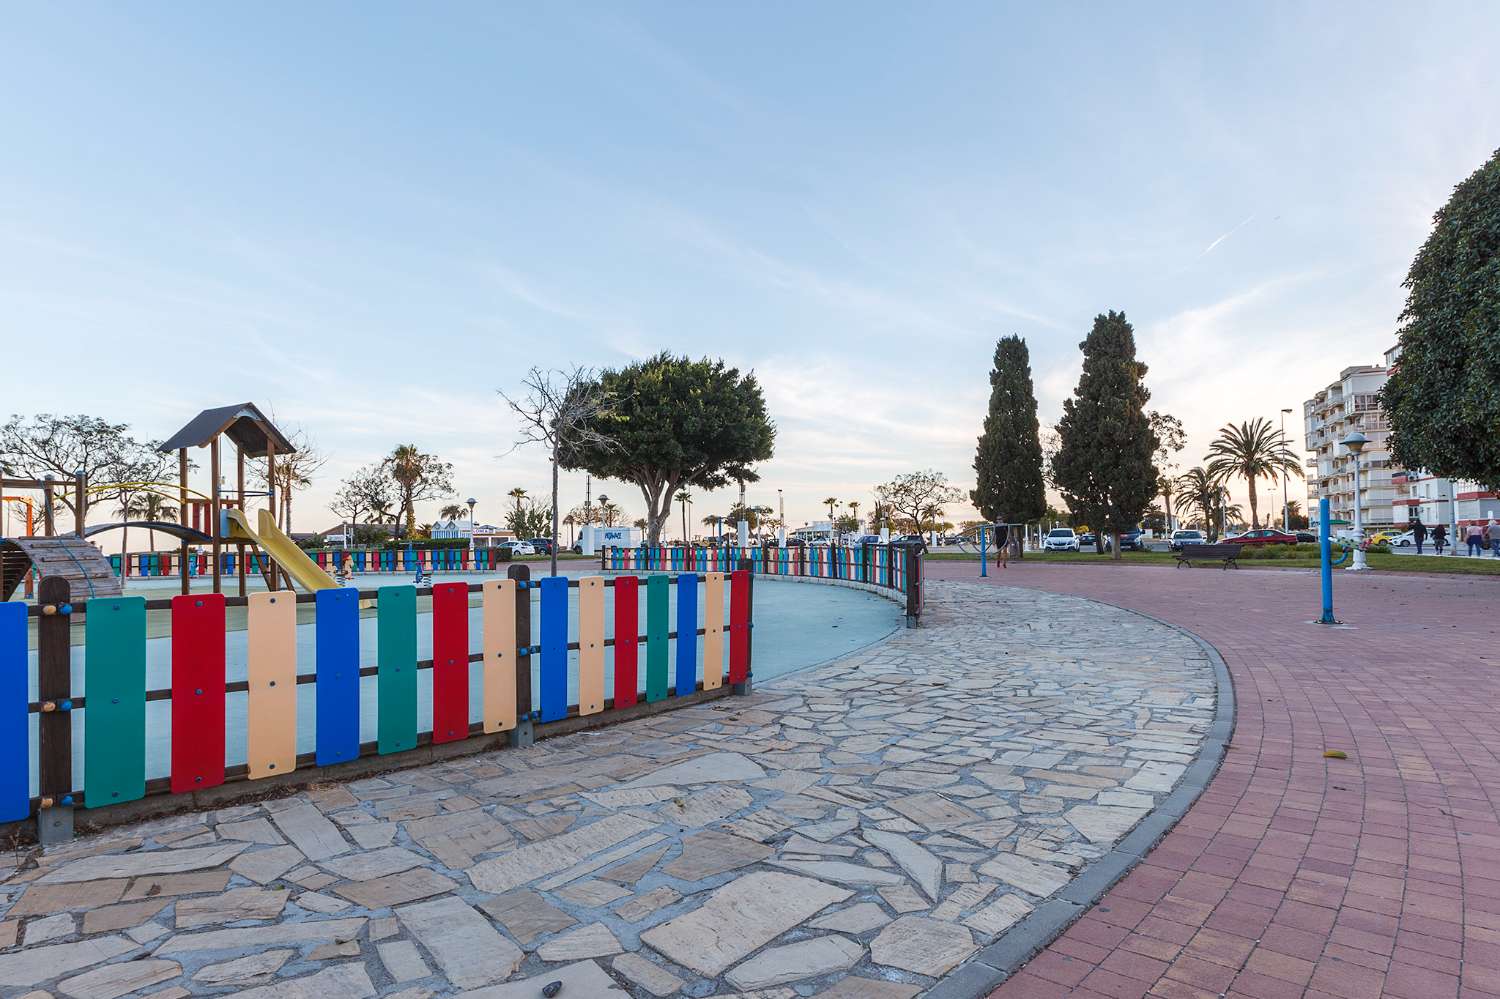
point(989, 968)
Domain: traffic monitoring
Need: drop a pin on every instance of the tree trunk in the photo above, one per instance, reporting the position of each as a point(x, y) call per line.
point(1166, 499)
point(1116, 553)
point(1254, 515)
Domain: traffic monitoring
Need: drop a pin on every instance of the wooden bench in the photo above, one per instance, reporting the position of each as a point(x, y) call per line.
point(1228, 554)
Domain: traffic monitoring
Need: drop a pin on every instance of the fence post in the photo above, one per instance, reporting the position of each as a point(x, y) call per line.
point(749, 684)
point(54, 681)
point(524, 734)
point(913, 576)
point(603, 557)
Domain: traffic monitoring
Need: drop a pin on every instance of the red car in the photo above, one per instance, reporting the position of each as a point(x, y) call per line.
point(1265, 536)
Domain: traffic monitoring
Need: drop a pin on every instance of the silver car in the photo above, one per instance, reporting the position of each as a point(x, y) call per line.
point(1060, 539)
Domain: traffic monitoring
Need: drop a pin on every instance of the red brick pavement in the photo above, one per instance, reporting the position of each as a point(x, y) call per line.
point(1296, 875)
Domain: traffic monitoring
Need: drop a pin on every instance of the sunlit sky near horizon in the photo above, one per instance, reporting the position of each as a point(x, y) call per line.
point(372, 217)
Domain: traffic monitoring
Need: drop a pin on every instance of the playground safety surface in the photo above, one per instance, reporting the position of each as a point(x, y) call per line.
point(871, 827)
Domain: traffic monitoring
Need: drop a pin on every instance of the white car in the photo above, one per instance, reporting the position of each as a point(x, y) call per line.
point(1405, 540)
point(1180, 538)
point(1060, 539)
point(518, 548)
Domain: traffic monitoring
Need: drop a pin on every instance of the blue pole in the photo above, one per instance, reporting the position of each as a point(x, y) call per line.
point(984, 558)
point(1327, 563)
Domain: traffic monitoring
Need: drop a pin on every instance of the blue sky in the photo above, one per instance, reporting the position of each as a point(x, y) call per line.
point(372, 216)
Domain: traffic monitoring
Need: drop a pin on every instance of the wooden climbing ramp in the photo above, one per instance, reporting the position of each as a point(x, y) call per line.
point(69, 556)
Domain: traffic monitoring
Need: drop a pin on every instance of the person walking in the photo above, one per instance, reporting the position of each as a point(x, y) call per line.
point(1474, 537)
point(1494, 533)
point(1419, 533)
point(1439, 538)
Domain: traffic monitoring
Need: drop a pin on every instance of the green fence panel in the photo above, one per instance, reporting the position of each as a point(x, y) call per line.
point(396, 676)
point(114, 688)
point(658, 594)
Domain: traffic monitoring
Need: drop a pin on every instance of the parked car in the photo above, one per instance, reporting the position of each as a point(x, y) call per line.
point(796, 543)
point(1403, 540)
point(1060, 539)
point(860, 540)
point(1305, 537)
point(915, 540)
point(1264, 536)
point(1133, 540)
point(1180, 538)
point(1088, 539)
point(543, 546)
point(517, 548)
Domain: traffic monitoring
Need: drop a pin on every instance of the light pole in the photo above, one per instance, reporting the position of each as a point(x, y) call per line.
point(472, 501)
point(780, 517)
point(1286, 503)
point(1354, 444)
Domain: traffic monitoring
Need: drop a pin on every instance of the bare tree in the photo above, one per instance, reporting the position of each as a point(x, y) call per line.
point(918, 498)
point(559, 411)
point(294, 473)
point(368, 490)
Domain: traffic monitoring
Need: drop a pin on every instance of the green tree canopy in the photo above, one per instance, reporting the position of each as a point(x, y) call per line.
point(1008, 461)
point(1104, 464)
point(1443, 398)
point(674, 423)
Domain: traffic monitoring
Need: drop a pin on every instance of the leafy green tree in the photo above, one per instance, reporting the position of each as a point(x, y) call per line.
point(1104, 465)
point(1443, 397)
point(674, 423)
point(1170, 440)
point(416, 476)
point(1252, 450)
point(1008, 461)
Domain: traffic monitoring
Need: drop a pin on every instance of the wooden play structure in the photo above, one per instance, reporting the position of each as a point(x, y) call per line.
point(221, 515)
point(71, 556)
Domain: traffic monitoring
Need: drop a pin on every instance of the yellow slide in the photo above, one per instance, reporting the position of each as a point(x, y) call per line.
point(293, 560)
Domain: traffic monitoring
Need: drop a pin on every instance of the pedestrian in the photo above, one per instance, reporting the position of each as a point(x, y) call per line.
point(1494, 533)
point(1474, 537)
point(1439, 538)
point(1419, 532)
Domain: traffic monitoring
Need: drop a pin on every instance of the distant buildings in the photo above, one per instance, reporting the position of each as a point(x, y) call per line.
point(1350, 404)
point(1388, 495)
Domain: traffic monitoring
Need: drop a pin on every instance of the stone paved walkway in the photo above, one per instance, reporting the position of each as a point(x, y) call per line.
point(1294, 875)
point(856, 830)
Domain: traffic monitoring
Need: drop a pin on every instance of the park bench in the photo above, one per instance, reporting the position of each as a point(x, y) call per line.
point(1228, 554)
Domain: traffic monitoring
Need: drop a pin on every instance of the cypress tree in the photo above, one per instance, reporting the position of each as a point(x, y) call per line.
point(1104, 465)
point(1008, 460)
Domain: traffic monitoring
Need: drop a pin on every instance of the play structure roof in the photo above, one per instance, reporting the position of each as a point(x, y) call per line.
point(244, 424)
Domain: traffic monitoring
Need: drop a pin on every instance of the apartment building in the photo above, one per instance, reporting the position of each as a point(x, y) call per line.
point(1346, 405)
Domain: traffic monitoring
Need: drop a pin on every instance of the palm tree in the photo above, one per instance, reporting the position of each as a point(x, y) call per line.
point(570, 520)
point(151, 506)
point(1250, 451)
point(1200, 489)
point(452, 511)
point(518, 494)
point(1167, 486)
point(830, 502)
point(684, 498)
point(854, 512)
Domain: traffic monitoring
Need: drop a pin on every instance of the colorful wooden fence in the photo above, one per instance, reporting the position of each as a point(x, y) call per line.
point(363, 560)
point(893, 567)
point(491, 640)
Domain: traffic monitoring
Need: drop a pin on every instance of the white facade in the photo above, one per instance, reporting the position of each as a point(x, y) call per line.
point(1346, 405)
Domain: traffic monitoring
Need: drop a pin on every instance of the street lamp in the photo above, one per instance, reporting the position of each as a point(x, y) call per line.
point(1286, 503)
point(1354, 443)
point(471, 502)
point(780, 518)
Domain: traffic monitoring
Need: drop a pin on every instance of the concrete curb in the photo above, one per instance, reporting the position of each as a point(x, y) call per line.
point(989, 968)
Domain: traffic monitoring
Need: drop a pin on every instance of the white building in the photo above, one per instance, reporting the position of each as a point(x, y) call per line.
point(1346, 405)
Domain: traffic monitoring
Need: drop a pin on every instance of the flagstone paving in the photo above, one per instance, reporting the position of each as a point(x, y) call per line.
point(859, 829)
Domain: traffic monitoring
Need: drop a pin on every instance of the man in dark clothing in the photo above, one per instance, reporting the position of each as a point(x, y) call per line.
point(1419, 533)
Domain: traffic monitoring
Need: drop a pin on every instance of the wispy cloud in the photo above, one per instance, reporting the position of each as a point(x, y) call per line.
point(1215, 244)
